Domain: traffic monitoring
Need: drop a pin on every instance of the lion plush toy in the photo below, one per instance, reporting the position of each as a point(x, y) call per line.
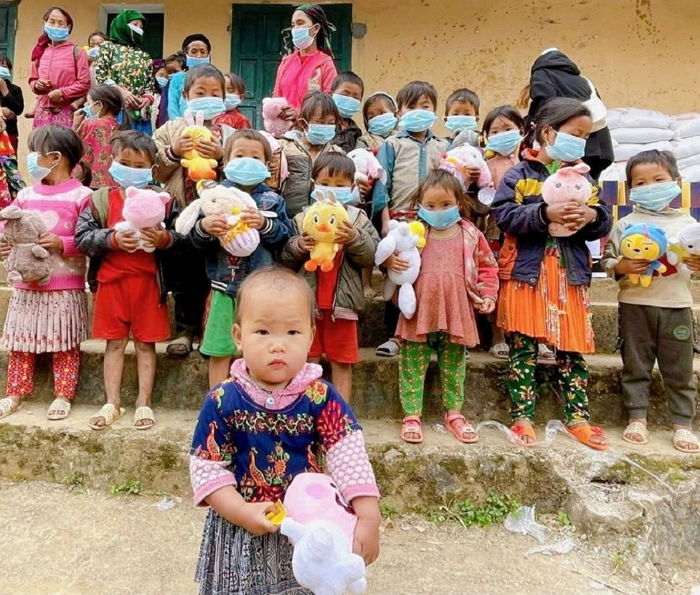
point(27, 261)
point(563, 186)
point(321, 221)
point(644, 242)
point(198, 168)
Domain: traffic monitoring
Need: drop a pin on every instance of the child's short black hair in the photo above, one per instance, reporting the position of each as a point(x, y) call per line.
point(463, 96)
point(410, 94)
point(507, 112)
point(98, 34)
point(335, 164)
point(237, 82)
point(204, 71)
point(249, 134)
point(441, 178)
point(136, 141)
point(347, 77)
point(49, 138)
point(664, 159)
point(111, 98)
point(178, 57)
point(555, 113)
point(5, 59)
point(373, 99)
point(317, 99)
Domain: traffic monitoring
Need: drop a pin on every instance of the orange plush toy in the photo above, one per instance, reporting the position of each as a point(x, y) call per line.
point(198, 168)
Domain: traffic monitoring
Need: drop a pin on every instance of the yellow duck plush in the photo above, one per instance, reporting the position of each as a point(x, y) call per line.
point(644, 242)
point(198, 167)
point(321, 222)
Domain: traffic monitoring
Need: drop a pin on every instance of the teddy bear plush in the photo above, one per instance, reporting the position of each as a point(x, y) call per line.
point(143, 208)
point(272, 108)
point(27, 261)
point(320, 526)
point(403, 239)
point(198, 167)
point(321, 221)
point(240, 240)
point(563, 186)
point(644, 242)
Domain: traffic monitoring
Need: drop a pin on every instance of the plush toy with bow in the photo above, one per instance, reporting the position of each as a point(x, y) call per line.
point(321, 221)
point(272, 108)
point(644, 242)
point(198, 168)
point(563, 186)
point(143, 209)
point(404, 240)
point(320, 526)
point(27, 261)
point(240, 240)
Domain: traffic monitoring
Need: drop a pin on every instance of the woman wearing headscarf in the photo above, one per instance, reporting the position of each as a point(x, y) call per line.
point(122, 63)
point(59, 74)
point(309, 67)
point(197, 51)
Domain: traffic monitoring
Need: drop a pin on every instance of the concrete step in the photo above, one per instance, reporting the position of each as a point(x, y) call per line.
point(181, 384)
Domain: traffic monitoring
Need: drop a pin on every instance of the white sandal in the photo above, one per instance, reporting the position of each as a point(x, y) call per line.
point(144, 413)
point(687, 436)
point(500, 351)
point(60, 408)
point(109, 413)
point(9, 406)
point(639, 428)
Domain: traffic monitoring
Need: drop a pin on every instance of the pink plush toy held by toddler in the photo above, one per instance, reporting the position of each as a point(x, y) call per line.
point(272, 108)
point(565, 185)
point(143, 209)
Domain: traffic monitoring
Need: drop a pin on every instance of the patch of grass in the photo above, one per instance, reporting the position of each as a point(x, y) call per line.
point(563, 519)
point(468, 514)
point(131, 487)
point(74, 480)
point(388, 511)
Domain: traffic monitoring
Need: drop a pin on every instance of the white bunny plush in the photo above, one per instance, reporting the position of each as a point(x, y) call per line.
point(404, 239)
point(367, 166)
point(688, 245)
point(240, 240)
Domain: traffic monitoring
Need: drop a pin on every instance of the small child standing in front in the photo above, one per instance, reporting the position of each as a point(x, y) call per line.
point(259, 429)
point(545, 279)
point(339, 293)
point(49, 318)
point(462, 117)
point(347, 90)
point(458, 274)
point(656, 322)
point(407, 158)
point(247, 154)
point(379, 116)
point(235, 94)
point(130, 294)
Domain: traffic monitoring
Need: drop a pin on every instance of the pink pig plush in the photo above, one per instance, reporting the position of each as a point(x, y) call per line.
point(565, 185)
point(272, 107)
point(459, 160)
point(143, 208)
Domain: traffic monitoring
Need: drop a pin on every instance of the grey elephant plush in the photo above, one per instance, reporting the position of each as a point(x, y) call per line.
point(27, 261)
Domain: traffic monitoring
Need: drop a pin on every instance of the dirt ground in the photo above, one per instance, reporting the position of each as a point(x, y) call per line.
point(59, 540)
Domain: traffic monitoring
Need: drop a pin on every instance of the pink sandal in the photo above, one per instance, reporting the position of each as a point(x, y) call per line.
point(411, 424)
point(458, 426)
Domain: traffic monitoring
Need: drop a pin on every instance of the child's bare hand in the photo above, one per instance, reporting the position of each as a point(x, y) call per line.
point(273, 165)
point(51, 242)
point(215, 225)
point(306, 242)
point(366, 539)
point(5, 249)
point(182, 145)
point(253, 518)
point(578, 215)
point(557, 213)
point(210, 150)
point(155, 236)
point(692, 262)
point(629, 266)
point(126, 240)
point(253, 218)
point(289, 114)
point(396, 264)
point(346, 233)
point(56, 96)
point(473, 174)
point(365, 187)
point(487, 306)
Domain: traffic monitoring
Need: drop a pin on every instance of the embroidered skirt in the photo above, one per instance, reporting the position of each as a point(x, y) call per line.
point(46, 321)
point(234, 562)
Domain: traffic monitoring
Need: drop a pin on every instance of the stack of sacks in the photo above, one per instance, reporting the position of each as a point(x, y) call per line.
point(686, 147)
point(634, 130)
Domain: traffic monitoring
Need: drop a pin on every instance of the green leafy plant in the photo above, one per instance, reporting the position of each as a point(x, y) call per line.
point(563, 519)
point(131, 487)
point(468, 514)
point(388, 511)
point(74, 480)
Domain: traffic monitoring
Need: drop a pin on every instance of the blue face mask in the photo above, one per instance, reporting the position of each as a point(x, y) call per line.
point(210, 107)
point(301, 37)
point(382, 125)
point(345, 194)
point(127, 177)
point(347, 106)
point(320, 134)
point(162, 81)
point(36, 171)
point(459, 123)
point(440, 219)
point(417, 120)
point(504, 143)
point(566, 147)
point(5, 73)
point(56, 33)
point(89, 114)
point(232, 101)
point(655, 197)
point(246, 171)
point(193, 61)
point(93, 52)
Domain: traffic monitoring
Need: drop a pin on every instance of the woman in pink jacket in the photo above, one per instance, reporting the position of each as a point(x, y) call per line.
point(60, 73)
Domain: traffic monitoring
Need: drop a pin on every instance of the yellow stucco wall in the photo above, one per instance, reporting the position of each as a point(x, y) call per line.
point(638, 52)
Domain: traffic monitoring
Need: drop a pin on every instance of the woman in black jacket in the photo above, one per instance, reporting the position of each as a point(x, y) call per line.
point(11, 99)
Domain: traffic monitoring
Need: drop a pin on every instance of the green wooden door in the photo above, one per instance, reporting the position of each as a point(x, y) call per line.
point(152, 33)
point(8, 25)
point(257, 47)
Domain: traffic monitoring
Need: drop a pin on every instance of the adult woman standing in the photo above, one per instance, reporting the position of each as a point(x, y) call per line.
point(123, 64)
point(310, 66)
point(59, 74)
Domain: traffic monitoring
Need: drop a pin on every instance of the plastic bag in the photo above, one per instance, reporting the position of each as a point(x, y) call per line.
point(523, 521)
point(558, 547)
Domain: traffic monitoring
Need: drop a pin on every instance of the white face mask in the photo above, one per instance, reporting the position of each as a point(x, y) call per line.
point(135, 29)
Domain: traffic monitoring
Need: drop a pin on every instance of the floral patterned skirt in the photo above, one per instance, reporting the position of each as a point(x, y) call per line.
point(57, 116)
point(46, 321)
point(234, 562)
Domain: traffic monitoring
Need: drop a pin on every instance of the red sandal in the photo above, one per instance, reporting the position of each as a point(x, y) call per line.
point(457, 425)
point(583, 433)
point(524, 429)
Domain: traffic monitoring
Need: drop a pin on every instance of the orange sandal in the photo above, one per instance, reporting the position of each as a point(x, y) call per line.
point(523, 429)
point(457, 425)
point(583, 433)
point(411, 424)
